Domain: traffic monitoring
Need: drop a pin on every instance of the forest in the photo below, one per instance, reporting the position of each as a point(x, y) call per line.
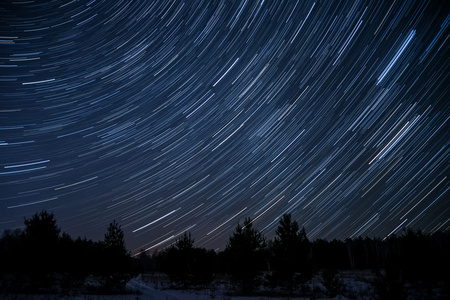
point(42, 259)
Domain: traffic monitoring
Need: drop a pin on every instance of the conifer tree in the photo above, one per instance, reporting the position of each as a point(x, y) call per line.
point(245, 254)
point(114, 239)
point(290, 254)
point(116, 260)
point(41, 237)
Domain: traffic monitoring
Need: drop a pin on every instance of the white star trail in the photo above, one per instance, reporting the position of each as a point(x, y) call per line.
point(169, 116)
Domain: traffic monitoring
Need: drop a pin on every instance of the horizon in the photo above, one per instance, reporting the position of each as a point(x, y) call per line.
point(155, 249)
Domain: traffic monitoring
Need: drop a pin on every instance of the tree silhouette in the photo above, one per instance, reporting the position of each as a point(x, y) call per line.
point(115, 250)
point(177, 260)
point(245, 254)
point(12, 251)
point(186, 264)
point(116, 260)
point(114, 239)
point(290, 255)
point(41, 237)
point(41, 259)
point(41, 229)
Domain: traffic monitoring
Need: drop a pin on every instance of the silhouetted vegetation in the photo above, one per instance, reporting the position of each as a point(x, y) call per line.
point(186, 265)
point(41, 259)
point(245, 256)
point(290, 258)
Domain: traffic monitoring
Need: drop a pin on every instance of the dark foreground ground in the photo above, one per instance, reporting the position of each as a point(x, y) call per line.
point(361, 284)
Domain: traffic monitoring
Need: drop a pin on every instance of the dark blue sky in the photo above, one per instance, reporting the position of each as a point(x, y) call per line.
point(176, 116)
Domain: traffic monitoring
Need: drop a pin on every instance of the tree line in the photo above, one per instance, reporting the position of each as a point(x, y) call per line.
point(40, 257)
point(286, 263)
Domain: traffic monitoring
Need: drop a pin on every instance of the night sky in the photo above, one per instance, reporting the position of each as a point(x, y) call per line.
point(174, 116)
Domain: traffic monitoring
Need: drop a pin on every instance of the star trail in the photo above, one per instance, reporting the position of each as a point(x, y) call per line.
point(174, 116)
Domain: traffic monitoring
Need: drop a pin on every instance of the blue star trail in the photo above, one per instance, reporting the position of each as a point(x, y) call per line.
point(174, 116)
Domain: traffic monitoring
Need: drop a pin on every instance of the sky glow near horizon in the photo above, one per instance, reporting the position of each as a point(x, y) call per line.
point(174, 116)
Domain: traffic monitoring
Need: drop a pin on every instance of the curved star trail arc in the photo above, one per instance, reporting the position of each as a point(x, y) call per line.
point(176, 116)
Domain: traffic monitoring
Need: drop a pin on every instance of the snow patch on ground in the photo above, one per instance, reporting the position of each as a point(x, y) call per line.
point(352, 285)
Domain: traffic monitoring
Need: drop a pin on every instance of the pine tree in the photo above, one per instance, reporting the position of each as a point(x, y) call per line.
point(186, 264)
point(116, 261)
point(177, 260)
point(114, 239)
point(290, 254)
point(40, 238)
point(245, 254)
point(41, 229)
point(185, 243)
